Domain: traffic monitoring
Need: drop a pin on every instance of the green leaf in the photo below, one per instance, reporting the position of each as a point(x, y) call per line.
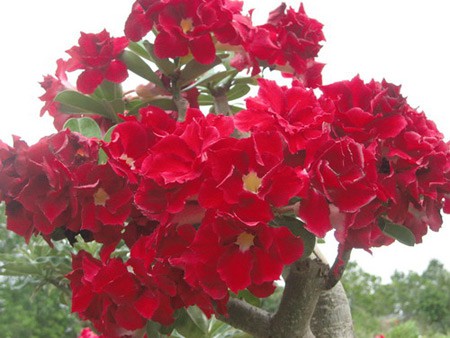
point(74, 102)
point(396, 231)
point(109, 91)
point(164, 65)
point(152, 329)
point(139, 49)
point(198, 317)
point(194, 69)
point(205, 100)
point(138, 66)
point(85, 126)
point(236, 109)
point(246, 80)
point(186, 326)
point(102, 157)
point(238, 91)
point(249, 297)
point(18, 269)
point(115, 107)
point(211, 77)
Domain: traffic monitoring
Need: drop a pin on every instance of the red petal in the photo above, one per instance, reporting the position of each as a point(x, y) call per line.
point(116, 72)
point(147, 304)
point(203, 49)
point(89, 80)
point(315, 212)
point(127, 317)
point(234, 268)
point(170, 46)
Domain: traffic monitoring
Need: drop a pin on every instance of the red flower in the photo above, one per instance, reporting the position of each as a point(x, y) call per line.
point(228, 254)
point(87, 333)
point(132, 139)
point(294, 112)
point(289, 38)
point(244, 177)
point(37, 182)
point(406, 178)
point(104, 198)
point(107, 294)
point(98, 56)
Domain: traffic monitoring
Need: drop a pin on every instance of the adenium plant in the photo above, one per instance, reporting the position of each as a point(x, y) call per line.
point(197, 198)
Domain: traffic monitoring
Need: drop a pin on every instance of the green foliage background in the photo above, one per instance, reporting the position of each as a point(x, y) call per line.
point(32, 300)
point(411, 305)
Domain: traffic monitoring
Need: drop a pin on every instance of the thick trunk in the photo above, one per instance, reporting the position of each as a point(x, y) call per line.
point(332, 317)
point(306, 309)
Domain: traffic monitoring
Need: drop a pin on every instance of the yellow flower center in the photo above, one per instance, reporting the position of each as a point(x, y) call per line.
point(245, 241)
point(128, 160)
point(100, 197)
point(251, 182)
point(186, 25)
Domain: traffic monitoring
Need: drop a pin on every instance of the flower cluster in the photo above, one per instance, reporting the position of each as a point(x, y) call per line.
point(206, 205)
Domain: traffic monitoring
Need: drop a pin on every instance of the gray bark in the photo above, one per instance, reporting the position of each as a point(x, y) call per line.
point(332, 317)
point(307, 309)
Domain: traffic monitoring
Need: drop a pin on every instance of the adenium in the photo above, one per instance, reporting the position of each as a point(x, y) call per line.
point(200, 199)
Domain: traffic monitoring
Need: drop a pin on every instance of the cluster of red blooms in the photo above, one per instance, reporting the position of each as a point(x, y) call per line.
point(195, 204)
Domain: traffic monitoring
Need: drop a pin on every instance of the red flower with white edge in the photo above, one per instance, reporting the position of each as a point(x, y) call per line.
point(229, 254)
point(294, 112)
point(98, 56)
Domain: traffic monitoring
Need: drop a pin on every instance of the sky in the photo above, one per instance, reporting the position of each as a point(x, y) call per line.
point(405, 42)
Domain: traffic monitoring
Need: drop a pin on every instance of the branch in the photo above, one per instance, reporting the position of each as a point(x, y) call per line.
point(246, 317)
point(181, 103)
point(304, 284)
point(221, 105)
point(338, 268)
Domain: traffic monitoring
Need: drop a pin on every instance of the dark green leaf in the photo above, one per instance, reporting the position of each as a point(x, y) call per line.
point(194, 69)
point(140, 67)
point(249, 297)
point(236, 109)
point(85, 126)
point(102, 157)
point(139, 49)
point(152, 329)
point(198, 317)
point(238, 91)
point(185, 325)
point(74, 102)
point(165, 104)
point(109, 91)
point(211, 77)
point(115, 107)
point(396, 231)
point(246, 80)
point(164, 65)
point(205, 100)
